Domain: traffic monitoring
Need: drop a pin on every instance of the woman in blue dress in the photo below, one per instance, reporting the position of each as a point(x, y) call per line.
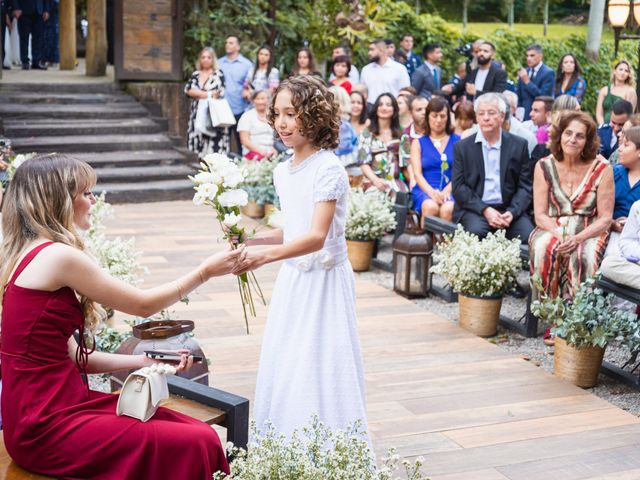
point(431, 160)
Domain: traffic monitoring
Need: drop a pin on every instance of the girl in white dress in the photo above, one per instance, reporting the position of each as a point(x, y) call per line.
point(310, 361)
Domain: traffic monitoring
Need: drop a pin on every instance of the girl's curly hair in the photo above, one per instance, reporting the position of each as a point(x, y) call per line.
point(317, 111)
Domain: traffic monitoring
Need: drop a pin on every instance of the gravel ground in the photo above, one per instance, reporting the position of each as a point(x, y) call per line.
point(531, 349)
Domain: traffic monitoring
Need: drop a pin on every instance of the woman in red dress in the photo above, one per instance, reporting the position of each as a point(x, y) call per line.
point(52, 423)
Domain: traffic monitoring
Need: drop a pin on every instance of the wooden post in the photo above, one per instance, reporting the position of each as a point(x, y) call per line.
point(96, 61)
point(68, 34)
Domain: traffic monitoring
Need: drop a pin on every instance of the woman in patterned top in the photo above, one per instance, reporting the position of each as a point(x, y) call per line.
point(379, 145)
point(263, 76)
point(573, 197)
point(206, 82)
point(569, 79)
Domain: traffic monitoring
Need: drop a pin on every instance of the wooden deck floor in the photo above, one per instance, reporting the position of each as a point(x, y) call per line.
point(473, 411)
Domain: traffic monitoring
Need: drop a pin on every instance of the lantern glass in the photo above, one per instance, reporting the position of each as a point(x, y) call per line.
point(619, 12)
point(400, 279)
point(418, 275)
point(636, 11)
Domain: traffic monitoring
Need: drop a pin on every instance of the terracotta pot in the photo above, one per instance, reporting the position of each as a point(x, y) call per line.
point(579, 366)
point(479, 315)
point(269, 208)
point(360, 253)
point(253, 209)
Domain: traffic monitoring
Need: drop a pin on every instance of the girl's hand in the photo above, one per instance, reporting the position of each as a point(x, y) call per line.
point(252, 261)
point(224, 262)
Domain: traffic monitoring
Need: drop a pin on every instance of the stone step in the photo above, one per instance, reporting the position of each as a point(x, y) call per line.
point(64, 98)
point(139, 192)
point(40, 111)
point(60, 87)
point(96, 143)
point(144, 173)
point(45, 127)
point(133, 158)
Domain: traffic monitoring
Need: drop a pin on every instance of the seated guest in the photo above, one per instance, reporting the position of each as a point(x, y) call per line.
point(634, 120)
point(340, 69)
point(348, 140)
point(456, 85)
point(540, 117)
point(53, 424)
point(464, 117)
point(626, 176)
point(359, 117)
point(561, 104)
point(414, 131)
point(623, 266)
point(379, 146)
point(431, 161)
point(487, 77)
point(256, 136)
point(608, 133)
point(573, 196)
point(403, 100)
point(491, 175)
point(516, 127)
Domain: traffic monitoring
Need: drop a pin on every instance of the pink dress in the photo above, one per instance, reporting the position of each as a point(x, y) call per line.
point(52, 423)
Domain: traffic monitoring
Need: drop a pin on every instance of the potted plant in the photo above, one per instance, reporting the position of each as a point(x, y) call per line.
point(481, 271)
point(369, 216)
point(583, 327)
point(259, 186)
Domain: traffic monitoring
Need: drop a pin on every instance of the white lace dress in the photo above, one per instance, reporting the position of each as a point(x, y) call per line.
point(311, 360)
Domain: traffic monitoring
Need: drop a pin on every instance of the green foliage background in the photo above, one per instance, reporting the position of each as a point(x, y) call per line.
point(312, 23)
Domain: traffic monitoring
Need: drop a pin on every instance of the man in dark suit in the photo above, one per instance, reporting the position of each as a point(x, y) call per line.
point(428, 77)
point(5, 12)
point(491, 177)
point(31, 15)
point(487, 77)
point(536, 80)
point(621, 110)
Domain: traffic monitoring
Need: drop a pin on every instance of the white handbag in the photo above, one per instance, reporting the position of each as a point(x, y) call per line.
point(221, 113)
point(202, 123)
point(143, 390)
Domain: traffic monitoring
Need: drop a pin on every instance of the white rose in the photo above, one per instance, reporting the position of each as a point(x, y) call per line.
point(232, 175)
point(208, 190)
point(216, 178)
point(231, 219)
point(233, 198)
point(203, 177)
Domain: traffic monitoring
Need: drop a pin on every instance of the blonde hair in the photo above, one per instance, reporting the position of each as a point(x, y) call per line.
point(39, 203)
point(214, 58)
point(631, 79)
point(341, 96)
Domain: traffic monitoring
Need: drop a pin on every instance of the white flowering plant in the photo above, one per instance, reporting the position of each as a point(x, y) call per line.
point(218, 185)
point(369, 215)
point(258, 181)
point(479, 268)
point(316, 453)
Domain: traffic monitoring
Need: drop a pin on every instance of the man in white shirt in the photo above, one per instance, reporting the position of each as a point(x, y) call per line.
point(624, 268)
point(383, 75)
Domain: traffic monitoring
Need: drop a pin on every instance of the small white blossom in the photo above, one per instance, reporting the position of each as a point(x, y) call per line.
point(208, 190)
point(231, 219)
point(233, 198)
point(198, 199)
point(203, 177)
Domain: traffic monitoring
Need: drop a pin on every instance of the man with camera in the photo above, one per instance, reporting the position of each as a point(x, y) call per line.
point(487, 77)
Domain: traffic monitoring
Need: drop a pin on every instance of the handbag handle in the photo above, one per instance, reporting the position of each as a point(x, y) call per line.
point(162, 329)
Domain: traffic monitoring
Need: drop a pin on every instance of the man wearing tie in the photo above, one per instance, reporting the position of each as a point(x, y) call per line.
point(536, 80)
point(428, 77)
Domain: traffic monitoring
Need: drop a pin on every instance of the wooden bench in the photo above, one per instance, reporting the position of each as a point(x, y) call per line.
point(630, 377)
point(526, 325)
point(210, 405)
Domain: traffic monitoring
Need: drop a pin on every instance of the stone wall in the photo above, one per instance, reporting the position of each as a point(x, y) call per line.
point(174, 104)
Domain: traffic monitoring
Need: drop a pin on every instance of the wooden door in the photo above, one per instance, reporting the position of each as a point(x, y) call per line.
point(148, 39)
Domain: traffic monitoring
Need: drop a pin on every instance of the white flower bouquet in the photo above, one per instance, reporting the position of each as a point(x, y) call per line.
point(217, 185)
point(479, 268)
point(258, 181)
point(369, 215)
point(316, 453)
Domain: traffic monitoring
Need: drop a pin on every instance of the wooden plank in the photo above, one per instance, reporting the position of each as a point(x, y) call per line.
point(486, 474)
point(196, 410)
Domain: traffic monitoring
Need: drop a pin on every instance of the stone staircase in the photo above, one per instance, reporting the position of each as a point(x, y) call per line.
point(126, 142)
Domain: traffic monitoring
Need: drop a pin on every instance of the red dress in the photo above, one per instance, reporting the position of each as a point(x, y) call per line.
point(53, 425)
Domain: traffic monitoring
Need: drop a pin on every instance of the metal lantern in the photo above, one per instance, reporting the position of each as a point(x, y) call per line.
point(411, 260)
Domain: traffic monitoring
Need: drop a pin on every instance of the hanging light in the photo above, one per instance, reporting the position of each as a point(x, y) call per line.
point(636, 11)
point(619, 12)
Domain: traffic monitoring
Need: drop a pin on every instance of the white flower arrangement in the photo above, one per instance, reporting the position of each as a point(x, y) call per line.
point(316, 453)
point(259, 179)
point(481, 268)
point(369, 215)
point(217, 185)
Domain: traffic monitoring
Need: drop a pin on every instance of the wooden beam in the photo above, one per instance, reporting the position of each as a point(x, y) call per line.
point(68, 34)
point(96, 61)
